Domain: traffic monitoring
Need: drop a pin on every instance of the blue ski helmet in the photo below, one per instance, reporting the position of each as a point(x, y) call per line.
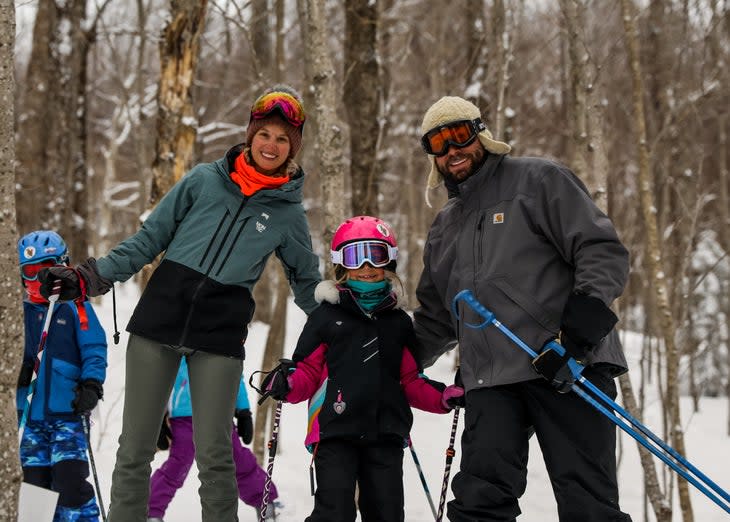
point(42, 245)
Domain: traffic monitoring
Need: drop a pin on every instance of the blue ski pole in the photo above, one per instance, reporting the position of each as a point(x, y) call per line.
point(576, 369)
point(39, 357)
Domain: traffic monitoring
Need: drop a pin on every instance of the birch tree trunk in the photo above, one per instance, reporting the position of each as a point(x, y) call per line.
point(361, 97)
point(502, 41)
point(654, 254)
point(11, 315)
point(328, 132)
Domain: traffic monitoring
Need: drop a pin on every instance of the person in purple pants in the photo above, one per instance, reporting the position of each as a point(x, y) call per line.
point(171, 475)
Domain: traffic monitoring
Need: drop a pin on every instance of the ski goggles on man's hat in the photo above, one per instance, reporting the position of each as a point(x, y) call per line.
point(458, 133)
point(354, 255)
point(29, 271)
point(286, 104)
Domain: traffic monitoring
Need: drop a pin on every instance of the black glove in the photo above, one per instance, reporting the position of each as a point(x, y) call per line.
point(584, 324)
point(275, 384)
point(78, 281)
point(165, 436)
point(554, 368)
point(244, 425)
point(88, 393)
point(26, 374)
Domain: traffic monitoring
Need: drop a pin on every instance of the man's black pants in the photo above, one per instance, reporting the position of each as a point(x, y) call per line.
point(578, 444)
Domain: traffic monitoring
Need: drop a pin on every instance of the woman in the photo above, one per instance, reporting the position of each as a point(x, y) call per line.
point(217, 227)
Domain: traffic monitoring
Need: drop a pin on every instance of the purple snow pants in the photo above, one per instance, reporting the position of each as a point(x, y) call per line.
point(170, 477)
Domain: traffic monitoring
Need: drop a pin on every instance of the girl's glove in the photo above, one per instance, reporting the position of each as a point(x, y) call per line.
point(244, 425)
point(276, 383)
point(453, 397)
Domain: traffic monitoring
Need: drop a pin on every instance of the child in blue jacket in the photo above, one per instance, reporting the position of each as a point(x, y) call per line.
point(170, 477)
point(69, 383)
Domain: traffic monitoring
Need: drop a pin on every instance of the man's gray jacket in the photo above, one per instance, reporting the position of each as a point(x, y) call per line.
point(521, 234)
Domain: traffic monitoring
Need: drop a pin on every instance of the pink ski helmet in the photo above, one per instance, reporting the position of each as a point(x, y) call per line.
point(362, 229)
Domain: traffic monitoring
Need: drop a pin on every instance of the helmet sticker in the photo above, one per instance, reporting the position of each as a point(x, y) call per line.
point(383, 229)
point(29, 252)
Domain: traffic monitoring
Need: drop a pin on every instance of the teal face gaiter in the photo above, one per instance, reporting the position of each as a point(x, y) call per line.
point(369, 295)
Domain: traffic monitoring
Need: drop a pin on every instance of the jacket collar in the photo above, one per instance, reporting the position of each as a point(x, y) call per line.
point(330, 292)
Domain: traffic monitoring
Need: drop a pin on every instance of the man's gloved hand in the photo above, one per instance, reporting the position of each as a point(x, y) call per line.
point(88, 393)
point(165, 436)
point(244, 425)
point(554, 368)
point(276, 383)
point(453, 397)
point(585, 322)
point(78, 281)
point(26, 374)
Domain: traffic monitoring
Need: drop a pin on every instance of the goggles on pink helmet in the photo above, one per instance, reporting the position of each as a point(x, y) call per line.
point(364, 239)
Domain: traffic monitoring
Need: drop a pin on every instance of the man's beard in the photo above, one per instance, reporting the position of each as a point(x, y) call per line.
point(475, 159)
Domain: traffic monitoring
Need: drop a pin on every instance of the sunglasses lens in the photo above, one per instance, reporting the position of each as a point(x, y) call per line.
point(458, 134)
point(285, 103)
point(355, 254)
point(30, 272)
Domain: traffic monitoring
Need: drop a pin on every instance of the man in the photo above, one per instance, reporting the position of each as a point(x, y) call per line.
point(524, 236)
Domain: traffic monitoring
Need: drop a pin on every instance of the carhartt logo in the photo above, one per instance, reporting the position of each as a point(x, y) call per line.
point(338, 323)
point(264, 215)
point(498, 218)
point(260, 226)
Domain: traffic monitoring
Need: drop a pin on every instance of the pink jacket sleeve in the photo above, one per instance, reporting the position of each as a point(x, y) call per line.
point(420, 392)
point(308, 376)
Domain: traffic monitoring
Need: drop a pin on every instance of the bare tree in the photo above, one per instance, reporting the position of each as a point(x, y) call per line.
point(361, 96)
point(328, 132)
point(11, 318)
point(654, 254)
point(176, 121)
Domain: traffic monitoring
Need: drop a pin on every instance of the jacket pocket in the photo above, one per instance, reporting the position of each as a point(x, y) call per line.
point(64, 377)
point(528, 305)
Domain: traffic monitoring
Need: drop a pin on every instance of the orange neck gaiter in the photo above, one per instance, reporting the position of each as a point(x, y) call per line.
point(250, 180)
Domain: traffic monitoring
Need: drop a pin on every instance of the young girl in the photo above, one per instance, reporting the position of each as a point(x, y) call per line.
point(354, 363)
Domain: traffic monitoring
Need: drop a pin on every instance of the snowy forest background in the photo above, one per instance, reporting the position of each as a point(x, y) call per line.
point(105, 104)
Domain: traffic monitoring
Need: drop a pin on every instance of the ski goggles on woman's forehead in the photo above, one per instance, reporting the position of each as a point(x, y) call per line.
point(30, 271)
point(354, 255)
point(285, 103)
point(457, 133)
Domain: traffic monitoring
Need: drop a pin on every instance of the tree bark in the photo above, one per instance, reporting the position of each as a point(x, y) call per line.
point(51, 149)
point(361, 96)
point(176, 121)
point(328, 132)
point(11, 314)
point(654, 253)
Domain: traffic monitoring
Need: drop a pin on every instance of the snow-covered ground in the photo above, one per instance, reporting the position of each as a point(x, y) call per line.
point(708, 446)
